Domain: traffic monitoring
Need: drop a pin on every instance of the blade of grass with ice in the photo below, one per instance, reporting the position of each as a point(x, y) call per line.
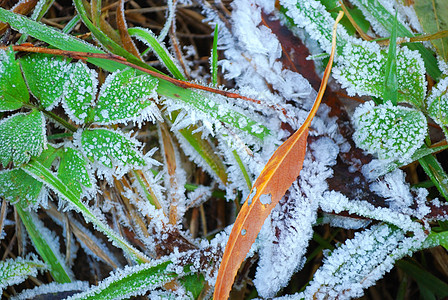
point(39, 172)
point(44, 243)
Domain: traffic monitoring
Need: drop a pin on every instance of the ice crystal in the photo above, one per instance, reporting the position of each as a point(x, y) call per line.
point(13, 271)
point(437, 102)
point(48, 290)
point(73, 170)
point(16, 185)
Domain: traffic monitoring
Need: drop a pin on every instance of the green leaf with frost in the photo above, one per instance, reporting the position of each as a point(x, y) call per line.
point(390, 82)
point(80, 91)
point(111, 148)
point(72, 170)
point(46, 76)
point(363, 71)
point(126, 96)
point(22, 136)
point(13, 90)
point(14, 271)
point(16, 185)
point(46, 244)
point(132, 281)
point(389, 131)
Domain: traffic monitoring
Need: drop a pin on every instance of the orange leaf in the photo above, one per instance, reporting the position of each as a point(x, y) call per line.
point(280, 172)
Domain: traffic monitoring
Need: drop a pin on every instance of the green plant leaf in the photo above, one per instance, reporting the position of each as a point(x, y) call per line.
point(111, 149)
point(44, 242)
point(389, 131)
point(364, 69)
point(131, 281)
point(72, 170)
point(13, 271)
point(46, 76)
point(436, 173)
point(126, 96)
point(80, 91)
point(22, 136)
point(214, 57)
point(437, 103)
point(13, 90)
point(433, 16)
point(194, 283)
point(16, 185)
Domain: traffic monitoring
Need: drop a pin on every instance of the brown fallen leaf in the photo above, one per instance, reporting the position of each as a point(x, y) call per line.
point(280, 172)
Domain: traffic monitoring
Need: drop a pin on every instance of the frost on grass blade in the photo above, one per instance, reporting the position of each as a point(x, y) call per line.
point(390, 131)
point(13, 91)
point(111, 149)
point(363, 69)
point(359, 263)
point(16, 185)
point(124, 96)
point(72, 170)
point(80, 91)
point(52, 290)
point(46, 77)
point(13, 271)
point(131, 281)
point(22, 136)
point(437, 103)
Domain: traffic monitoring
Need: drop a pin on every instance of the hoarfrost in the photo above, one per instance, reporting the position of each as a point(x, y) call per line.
point(52, 288)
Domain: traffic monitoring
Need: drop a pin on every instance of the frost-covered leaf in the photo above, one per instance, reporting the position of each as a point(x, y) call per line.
point(72, 170)
point(131, 281)
point(111, 148)
point(22, 136)
point(359, 263)
point(389, 131)
point(13, 271)
point(46, 77)
point(437, 102)
point(124, 96)
point(16, 185)
point(363, 69)
point(80, 91)
point(13, 90)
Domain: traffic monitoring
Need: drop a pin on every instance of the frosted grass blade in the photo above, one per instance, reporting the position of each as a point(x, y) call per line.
point(146, 36)
point(39, 172)
point(214, 57)
point(44, 243)
point(132, 281)
point(390, 82)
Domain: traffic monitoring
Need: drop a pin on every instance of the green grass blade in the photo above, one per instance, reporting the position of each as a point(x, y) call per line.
point(131, 281)
point(162, 53)
point(215, 57)
point(243, 169)
point(45, 247)
point(39, 172)
point(71, 24)
point(391, 83)
point(424, 278)
point(436, 173)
